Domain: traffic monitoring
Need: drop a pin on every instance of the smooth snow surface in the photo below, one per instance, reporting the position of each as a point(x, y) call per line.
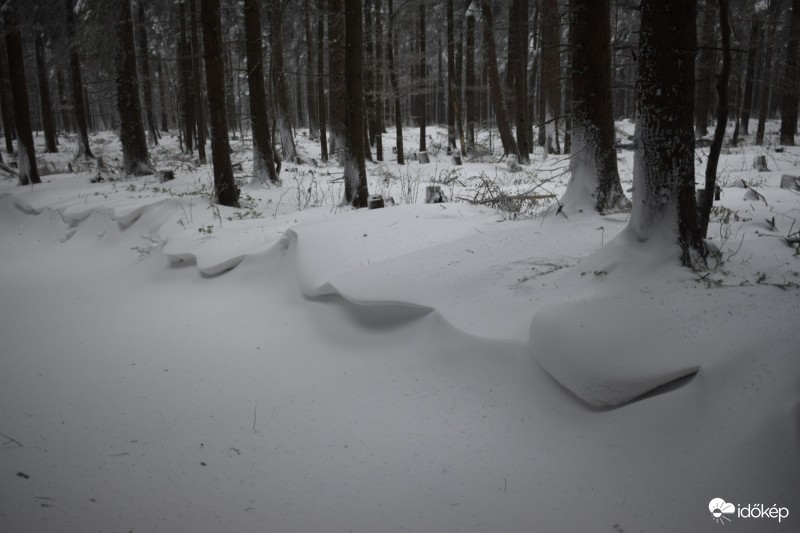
point(167, 365)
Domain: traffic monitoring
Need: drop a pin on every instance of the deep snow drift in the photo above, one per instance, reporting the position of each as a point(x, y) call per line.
point(167, 365)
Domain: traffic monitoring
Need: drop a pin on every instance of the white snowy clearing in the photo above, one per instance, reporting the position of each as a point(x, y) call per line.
point(168, 365)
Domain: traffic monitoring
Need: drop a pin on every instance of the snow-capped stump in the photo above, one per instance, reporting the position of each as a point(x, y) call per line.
point(456, 157)
point(790, 182)
point(740, 184)
point(512, 163)
point(423, 158)
point(165, 175)
point(433, 194)
point(375, 201)
point(752, 195)
point(760, 163)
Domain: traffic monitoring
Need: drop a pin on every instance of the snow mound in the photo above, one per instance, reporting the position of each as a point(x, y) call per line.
point(609, 353)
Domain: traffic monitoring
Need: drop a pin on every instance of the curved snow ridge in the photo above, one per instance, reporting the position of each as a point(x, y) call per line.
point(609, 352)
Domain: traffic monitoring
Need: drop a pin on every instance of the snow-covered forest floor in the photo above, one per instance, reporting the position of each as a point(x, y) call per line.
point(292, 366)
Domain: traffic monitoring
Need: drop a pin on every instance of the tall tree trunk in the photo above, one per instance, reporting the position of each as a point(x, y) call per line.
point(766, 71)
point(65, 108)
point(197, 76)
point(336, 84)
point(355, 172)
point(230, 99)
point(279, 89)
point(520, 67)
point(263, 162)
point(379, 97)
point(134, 144)
point(595, 180)
point(664, 200)
point(162, 95)
point(707, 198)
point(147, 86)
point(311, 81)
point(551, 73)
point(44, 96)
point(77, 83)
point(470, 82)
point(6, 100)
point(752, 54)
point(398, 115)
point(187, 90)
point(26, 153)
point(451, 74)
point(224, 185)
point(423, 78)
point(705, 70)
point(490, 56)
point(789, 104)
point(323, 115)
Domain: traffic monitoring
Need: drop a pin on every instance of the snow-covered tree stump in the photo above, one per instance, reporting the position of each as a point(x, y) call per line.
point(456, 157)
point(760, 163)
point(790, 182)
point(375, 201)
point(433, 194)
point(423, 158)
point(166, 175)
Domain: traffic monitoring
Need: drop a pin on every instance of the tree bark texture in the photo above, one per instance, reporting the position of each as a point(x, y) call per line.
point(766, 70)
point(197, 76)
point(279, 89)
point(664, 193)
point(187, 89)
point(470, 89)
point(380, 95)
point(336, 84)
point(789, 104)
point(44, 96)
point(144, 66)
point(451, 74)
point(26, 153)
point(131, 134)
point(705, 70)
point(224, 185)
point(77, 82)
point(6, 100)
point(323, 114)
point(355, 172)
point(311, 80)
point(752, 54)
point(263, 164)
point(550, 74)
point(423, 78)
point(593, 163)
point(398, 115)
point(519, 66)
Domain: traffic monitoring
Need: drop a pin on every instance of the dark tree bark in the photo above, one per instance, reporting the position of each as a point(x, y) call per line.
point(279, 90)
point(162, 95)
point(398, 115)
point(519, 67)
point(26, 153)
point(766, 71)
point(441, 115)
point(132, 137)
point(44, 96)
point(65, 107)
point(147, 86)
point(197, 76)
point(187, 90)
point(6, 100)
point(752, 54)
point(311, 81)
point(77, 83)
point(379, 97)
point(423, 78)
point(230, 98)
point(355, 172)
point(490, 56)
point(470, 89)
point(705, 69)
point(789, 104)
point(550, 75)
point(664, 195)
point(451, 74)
point(707, 198)
point(263, 164)
point(593, 164)
point(224, 185)
point(323, 115)
point(336, 84)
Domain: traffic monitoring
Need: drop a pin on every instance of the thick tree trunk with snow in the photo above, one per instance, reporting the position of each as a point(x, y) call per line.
point(470, 89)
point(398, 115)
point(379, 97)
point(336, 84)
point(595, 180)
point(77, 82)
point(6, 100)
point(705, 70)
point(26, 154)
point(197, 76)
point(134, 144)
point(519, 69)
point(423, 78)
point(187, 90)
point(451, 74)
point(263, 163)
point(311, 80)
point(144, 66)
point(664, 194)
point(752, 54)
point(766, 71)
point(490, 56)
point(323, 115)
point(279, 90)
point(355, 172)
point(224, 185)
point(789, 104)
point(44, 97)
